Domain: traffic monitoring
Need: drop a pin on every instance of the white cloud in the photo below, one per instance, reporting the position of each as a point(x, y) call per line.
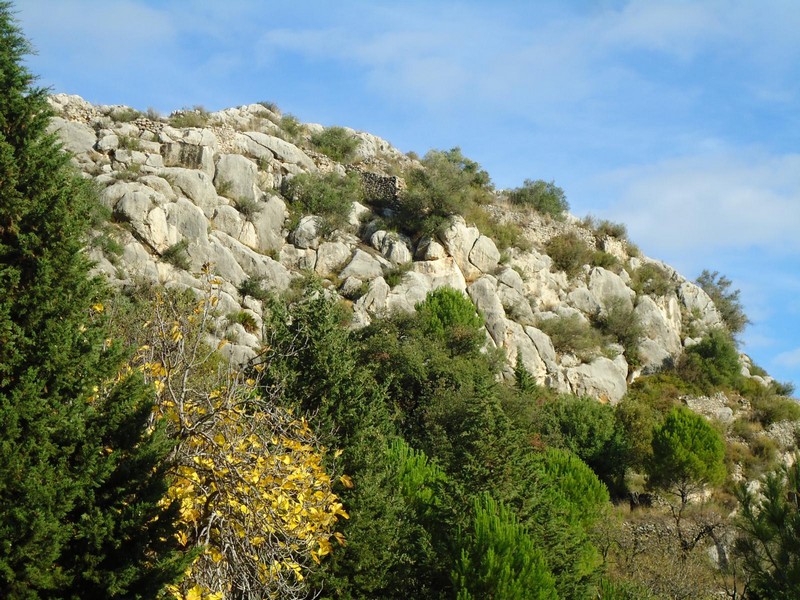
point(711, 203)
point(790, 359)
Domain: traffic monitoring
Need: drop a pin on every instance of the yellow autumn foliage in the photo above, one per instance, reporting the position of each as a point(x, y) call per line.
point(253, 493)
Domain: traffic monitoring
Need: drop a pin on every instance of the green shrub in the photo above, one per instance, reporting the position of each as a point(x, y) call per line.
point(329, 196)
point(447, 314)
point(621, 322)
point(245, 319)
point(224, 187)
point(773, 409)
point(190, 117)
point(336, 143)
point(589, 430)
point(248, 207)
point(125, 115)
point(661, 391)
point(606, 260)
point(127, 142)
point(687, 454)
point(131, 172)
point(604, 228)
point(712, 363)
point(177, 256)
point(291, 125)
point(495, 558)
point(505, 235)
point(270, 106)
point(546, 198)
point(569, 252)
point(253, 287)
point(651, 279)
point(727, 302)
point(447, 184)
point(108, 245)
point(395, 275)
point(573, 334)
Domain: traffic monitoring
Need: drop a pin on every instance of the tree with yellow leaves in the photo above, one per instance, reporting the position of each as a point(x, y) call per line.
point(256, 500)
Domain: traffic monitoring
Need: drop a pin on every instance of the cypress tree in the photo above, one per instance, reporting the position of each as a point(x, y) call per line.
point(81, 475)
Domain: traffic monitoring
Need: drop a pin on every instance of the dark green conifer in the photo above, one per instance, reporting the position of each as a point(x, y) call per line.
point(80, 475)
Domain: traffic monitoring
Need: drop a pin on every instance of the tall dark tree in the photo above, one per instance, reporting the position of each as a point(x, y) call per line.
point(81, 476)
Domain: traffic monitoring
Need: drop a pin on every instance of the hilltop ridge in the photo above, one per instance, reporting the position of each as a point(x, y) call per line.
point(202, 188)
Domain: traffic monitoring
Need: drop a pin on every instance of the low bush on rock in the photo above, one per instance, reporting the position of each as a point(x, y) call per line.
point(329, 196)
point(333, 142)
point(546, 198)
point(569, 252)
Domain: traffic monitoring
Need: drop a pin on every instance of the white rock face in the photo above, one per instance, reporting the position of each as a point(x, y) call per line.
point(261, 145)
point(608, 288)
point(695, 300)
point(392, 246)
point(364, 266)
point(602, 378)
point(661, 345)
point(458, 240)
point(76, 137)
point(484, 255)
point(212, 188)
point(306, 234)
point(238, 174)
point(331, 257)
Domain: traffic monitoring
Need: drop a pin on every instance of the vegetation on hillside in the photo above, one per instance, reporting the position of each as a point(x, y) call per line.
point(399, 460)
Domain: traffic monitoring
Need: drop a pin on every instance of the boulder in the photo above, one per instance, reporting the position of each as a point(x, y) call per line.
point(661, 343)
point(274, 274)
point(517, 343)
point(331, 257)
point(188, 220)
point(440, 273)
point(697, 302)
point(268, 224)
point(262, 145)
point(411, 290)
point(236, 176)
point(458, 240)
point(484, 255)
point(430, 249)
point(364, 266)
point(298, 259)
point(77, 138)
point(194, 185)
point(608, 288)
point(603, 378)
point(392, 246)
point(188, 156)
point(374, 301)
point(307, 232)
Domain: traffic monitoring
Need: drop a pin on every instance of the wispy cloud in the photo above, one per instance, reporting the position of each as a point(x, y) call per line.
point(712, 202)
point(789, 359)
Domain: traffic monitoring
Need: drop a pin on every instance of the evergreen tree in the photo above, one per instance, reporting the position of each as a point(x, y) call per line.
point(769, 534)
point(80, 476)
point(497, 559)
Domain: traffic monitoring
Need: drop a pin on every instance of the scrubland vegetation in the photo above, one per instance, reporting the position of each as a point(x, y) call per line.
point(393, 461)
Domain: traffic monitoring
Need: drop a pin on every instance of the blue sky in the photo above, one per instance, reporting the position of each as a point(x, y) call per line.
point(679, 119)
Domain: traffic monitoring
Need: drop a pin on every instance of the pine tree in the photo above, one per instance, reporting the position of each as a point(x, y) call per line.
point(81, 477)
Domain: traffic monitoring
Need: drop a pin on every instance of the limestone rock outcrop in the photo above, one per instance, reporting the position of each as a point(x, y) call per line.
point(210, 196)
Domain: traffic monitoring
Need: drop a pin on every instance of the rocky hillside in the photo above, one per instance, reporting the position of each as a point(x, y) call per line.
point(199, 189)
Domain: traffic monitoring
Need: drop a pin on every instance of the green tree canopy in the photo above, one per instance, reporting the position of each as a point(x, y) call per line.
point(687, 454)
point(727, 302)
point(769, 534)
point(497, 559)
point(544, 197)
point(81, 475)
